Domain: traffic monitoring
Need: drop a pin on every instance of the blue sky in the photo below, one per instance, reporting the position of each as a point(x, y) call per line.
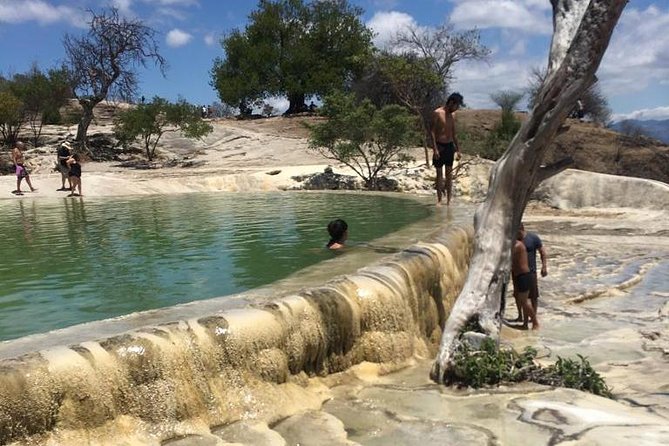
point(634, 74)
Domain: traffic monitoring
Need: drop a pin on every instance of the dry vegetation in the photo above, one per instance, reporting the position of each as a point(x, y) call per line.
point(592, 147)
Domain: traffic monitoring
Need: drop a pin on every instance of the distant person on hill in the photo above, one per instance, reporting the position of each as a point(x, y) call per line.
point(522, 282)
point(533, 244)
point(338, 230)
point(445, 145)
point(74, 175)
point(21, 170)
point(63, 155)
point(580, 110)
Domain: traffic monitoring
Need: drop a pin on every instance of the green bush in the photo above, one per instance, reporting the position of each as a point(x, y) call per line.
point(367, 139)
point(489, 365)
point(490, 144)
point(148, 122)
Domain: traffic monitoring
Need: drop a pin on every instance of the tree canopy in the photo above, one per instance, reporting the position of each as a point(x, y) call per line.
point(291, 48)
point(150, 121)
point(33, 97)
point(365, 138)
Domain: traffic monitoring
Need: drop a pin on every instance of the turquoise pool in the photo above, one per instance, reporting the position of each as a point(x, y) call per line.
point(70, 261)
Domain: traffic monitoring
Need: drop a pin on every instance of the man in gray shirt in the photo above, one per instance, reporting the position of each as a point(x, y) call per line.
point(533, 244)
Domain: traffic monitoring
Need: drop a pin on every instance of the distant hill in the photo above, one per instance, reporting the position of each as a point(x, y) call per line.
point(592, 147)
point(654, 128)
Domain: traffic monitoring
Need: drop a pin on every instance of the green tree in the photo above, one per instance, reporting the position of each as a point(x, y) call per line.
point(150, 121)
point(418, 87)
point(237, 78)
point(363, 137)
point(103, 62)
point(42, 95)
point(504, 131)
point(405, 79)
point(507, 100)
point(11, 117)
point(291, 48)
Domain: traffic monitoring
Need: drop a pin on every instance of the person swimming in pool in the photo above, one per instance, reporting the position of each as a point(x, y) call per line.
point(338, 230)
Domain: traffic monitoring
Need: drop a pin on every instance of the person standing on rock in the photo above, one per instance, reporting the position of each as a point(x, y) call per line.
point(21, 171)
point(533, 244)
point(445, 145)
point(522, 281)
point(63, 155)
point(74, 175)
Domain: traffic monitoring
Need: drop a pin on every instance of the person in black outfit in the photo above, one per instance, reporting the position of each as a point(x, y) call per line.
point(63, 168)
point(74, 175)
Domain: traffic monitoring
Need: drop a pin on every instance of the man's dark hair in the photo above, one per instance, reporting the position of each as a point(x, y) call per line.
point(457, 98)
point(336, 229)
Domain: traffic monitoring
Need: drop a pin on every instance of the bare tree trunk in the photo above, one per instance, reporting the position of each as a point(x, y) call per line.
point(582, 30)
point(85, 121)
point(296, 103)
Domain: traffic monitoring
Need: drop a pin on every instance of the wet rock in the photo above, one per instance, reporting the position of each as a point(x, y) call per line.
point(313, 428)
point(370, 424)
point(245, 432)
point(196, 440)
point(328, 180)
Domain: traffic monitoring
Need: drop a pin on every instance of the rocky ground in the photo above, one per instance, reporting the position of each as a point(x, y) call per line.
point(605, 295)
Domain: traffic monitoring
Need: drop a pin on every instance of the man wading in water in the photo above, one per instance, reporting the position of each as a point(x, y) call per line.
point(445, 145)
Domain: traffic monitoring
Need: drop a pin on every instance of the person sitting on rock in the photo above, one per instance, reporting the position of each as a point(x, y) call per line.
point(338, 230)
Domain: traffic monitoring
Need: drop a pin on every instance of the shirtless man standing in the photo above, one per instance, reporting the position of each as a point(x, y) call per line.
point(445, 145)
point(21, 171)
point(522, 280)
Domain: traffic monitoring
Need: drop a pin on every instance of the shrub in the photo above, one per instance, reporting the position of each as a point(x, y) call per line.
point(150, 121)
point(489, 365)
point(365, 138)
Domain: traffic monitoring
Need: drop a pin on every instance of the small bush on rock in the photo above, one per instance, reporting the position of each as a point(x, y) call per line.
point(488, 365)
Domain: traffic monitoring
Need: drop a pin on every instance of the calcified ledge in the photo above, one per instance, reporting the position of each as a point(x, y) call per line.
point(215, 370)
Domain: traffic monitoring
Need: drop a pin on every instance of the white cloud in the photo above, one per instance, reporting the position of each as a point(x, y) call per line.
point(124, 7)
point(279, 103)
point(19, 11)
point(478, 80)
point(176, 38)
point(638, 55)
point(210, 39)
point(518, 48)
point(531, 16)
point(386, 25)
point(644, 114)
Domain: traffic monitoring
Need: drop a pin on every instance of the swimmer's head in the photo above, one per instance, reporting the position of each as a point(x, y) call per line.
point(338, 230)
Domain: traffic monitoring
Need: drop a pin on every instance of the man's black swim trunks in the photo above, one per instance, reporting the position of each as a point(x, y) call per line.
point(523, 282)
point(446, 154)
